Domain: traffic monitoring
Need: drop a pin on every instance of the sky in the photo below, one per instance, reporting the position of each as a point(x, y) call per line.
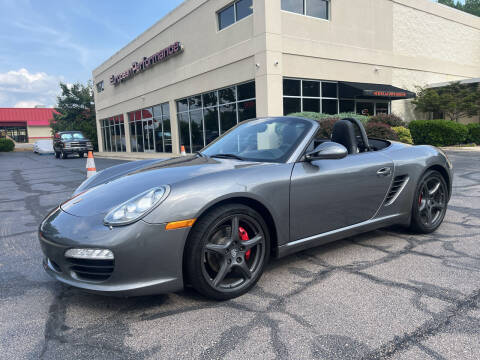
point(43, 42)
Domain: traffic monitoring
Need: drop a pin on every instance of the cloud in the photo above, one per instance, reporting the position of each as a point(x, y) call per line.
point(21, 88)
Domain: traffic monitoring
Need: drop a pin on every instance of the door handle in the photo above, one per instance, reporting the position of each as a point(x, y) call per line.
point(386, 171)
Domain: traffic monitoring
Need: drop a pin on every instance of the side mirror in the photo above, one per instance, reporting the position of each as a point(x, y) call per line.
point(327, 151)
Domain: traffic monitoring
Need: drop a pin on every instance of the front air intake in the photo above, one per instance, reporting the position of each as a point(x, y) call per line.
point(397, 186)
point(91, 270)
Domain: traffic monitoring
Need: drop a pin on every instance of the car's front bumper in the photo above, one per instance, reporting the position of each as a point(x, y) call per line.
point(147, 258)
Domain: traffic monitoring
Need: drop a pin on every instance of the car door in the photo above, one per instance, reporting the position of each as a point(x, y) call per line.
point(326, 195)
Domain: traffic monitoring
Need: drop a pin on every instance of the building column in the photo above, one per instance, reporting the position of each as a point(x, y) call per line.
point(99, 136)
point(174, 128)
point(126, 126)
point(268, 58)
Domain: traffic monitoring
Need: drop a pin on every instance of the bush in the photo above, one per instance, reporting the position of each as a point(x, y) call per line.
point(326, 127)
point(389, 119)
point(320, 116)
point(474, 133)
point(6, 145)
point(403, 134)
point(380, 131)
point(438, 132)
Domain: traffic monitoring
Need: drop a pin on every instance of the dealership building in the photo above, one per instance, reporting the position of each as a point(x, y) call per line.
point(210, 64)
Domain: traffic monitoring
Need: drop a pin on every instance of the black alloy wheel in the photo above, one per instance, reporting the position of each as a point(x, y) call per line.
point(430, 202)
point(64, 155)
point(227, 251)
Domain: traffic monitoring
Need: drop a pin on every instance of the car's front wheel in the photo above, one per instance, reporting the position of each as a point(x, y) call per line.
point(57, 154)
point(80, 155)
point(64, 155)
point(227, 251)
point(430, 203)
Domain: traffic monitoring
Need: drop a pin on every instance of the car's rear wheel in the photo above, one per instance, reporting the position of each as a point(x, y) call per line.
point(227, 251)
point(430, 203)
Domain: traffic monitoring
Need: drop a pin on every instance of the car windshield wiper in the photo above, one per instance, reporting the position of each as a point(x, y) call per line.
point(227, 156)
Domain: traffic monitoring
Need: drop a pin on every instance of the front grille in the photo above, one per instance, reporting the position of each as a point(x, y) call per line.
point(78, 144)
point(90, 269)
point(397, 186)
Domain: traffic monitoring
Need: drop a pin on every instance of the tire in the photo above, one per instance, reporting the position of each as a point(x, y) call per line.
point(64, 155)
point(221, 266)
point(430, 203)
point(57, 154)
point(80, 155)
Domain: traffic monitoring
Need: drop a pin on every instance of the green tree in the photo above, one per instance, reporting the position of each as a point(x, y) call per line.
point(470, 6)
point(454, 100)
point(76, 110)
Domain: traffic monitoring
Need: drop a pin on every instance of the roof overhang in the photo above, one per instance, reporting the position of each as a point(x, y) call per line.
point(378, 91)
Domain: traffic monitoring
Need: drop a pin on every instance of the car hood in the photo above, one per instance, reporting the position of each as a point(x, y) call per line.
point(105, 196)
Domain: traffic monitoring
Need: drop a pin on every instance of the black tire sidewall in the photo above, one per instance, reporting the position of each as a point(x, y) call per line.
point(198, 239)
point(416, 223)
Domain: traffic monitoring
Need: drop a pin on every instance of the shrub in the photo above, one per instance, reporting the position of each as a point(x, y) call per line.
point(320, 116)
point(380, 131)
point(6, 145)
point(389, 119)
point(474, 133)
point(403, 134)
point(438, 132)
point(326, 127)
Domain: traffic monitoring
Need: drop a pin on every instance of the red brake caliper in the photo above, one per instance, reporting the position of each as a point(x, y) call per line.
point(244, 237)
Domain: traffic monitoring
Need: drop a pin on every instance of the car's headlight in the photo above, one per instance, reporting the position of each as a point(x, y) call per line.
point(137, 207)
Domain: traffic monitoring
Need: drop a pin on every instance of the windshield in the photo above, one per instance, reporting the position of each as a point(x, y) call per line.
point(270, 140)
point(71, 136)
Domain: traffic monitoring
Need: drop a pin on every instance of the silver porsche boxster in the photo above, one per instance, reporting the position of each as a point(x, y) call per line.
point(266, 188)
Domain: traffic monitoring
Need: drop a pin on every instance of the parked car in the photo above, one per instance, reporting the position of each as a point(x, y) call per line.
point(268, 187)
point(43, 147)
point(71, 142)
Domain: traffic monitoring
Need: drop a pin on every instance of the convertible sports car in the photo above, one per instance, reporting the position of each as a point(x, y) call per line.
point(268, 187)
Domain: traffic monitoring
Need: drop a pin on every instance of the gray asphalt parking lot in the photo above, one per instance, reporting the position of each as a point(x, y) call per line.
point(384, 294)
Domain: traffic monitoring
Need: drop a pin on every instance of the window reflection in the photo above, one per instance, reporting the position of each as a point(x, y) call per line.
point(113, 134)
point(213, 113)
point(150, 128)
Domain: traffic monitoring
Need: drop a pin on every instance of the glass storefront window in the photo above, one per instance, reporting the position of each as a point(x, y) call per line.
point(211, 114)
point(228, 117)
point(291, 105)
point(113, 134)
point(150, 128)
point(310, 96)
point(247, 110)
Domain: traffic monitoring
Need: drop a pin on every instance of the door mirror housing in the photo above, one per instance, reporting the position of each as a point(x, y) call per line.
point(327, 151)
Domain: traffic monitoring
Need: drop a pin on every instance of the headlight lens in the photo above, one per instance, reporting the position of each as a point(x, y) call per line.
point(138, 206)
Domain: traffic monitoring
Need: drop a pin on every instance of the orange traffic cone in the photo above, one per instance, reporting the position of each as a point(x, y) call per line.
point(91, 170)
point(182, 151)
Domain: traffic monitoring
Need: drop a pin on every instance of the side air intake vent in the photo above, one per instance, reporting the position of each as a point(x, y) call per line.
point(397, 186)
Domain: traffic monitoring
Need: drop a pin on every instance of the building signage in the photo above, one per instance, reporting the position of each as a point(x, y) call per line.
point(384, 93)
point(146, 63)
